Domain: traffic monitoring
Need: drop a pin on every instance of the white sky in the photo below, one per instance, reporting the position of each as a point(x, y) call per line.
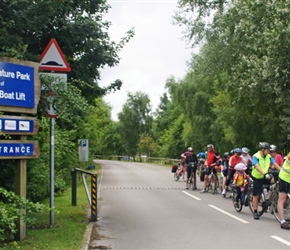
point(155, 53)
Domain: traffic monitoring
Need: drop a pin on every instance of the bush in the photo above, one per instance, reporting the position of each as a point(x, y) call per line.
point(10, 211)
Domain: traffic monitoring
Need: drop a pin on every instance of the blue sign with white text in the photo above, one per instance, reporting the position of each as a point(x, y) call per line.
point(16, 149)
point(16, 85)
point(16, 125)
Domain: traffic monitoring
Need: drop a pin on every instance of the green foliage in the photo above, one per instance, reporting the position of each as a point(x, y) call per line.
point(135, 119)
point(78, 26)
point(11, 206)
point(237, 89)
point(147, 145)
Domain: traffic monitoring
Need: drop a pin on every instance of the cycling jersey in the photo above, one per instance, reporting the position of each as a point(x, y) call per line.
point(264, 163)
point(247, 158)
point(284, 174)
point(212, 159)
point(240, 178)
point(234, 161)
point(191, 158)
point(278, 159)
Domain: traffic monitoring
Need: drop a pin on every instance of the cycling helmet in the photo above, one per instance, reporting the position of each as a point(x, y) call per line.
point(264, 145)
point(273, 147)
point(210, 146)
point(201, 155)
point(237, 150)
point(226, 154)
point(240, 166)
point(245, 150)
point(190, 149)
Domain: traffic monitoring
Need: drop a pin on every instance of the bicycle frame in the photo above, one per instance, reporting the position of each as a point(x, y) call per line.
point(212, 179)
point(274, 203)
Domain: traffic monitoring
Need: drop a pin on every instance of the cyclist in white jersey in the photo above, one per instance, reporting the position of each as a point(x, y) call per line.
point(247, 158)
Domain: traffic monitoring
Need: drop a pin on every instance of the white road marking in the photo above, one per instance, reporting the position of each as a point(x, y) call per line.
point(281, 240)
point(228, 214)
point(100, 184)
point(194, 197)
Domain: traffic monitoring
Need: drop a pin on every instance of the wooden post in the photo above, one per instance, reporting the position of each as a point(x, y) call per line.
point(20, 189)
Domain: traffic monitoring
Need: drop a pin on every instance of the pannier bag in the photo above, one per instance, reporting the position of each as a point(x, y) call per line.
point(202, 174)
point(174, 169)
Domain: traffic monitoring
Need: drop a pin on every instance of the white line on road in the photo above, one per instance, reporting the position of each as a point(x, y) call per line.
point(228, 214)
point(281, 240)
point(194, 197)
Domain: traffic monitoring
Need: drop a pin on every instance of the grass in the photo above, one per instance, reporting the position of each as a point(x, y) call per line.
point(67, 232)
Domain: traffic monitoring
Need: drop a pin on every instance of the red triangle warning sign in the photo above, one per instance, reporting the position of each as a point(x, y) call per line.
point(52, 58)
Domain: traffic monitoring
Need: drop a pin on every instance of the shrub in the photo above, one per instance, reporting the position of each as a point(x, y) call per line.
point(10, 211)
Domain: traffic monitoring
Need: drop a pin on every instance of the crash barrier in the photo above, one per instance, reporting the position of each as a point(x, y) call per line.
point(92, 196)
point(156, 160)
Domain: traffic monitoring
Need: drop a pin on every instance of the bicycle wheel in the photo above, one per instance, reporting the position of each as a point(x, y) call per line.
point(287, 209)
point(184, 175)
point(274, 203)
point(238, 204)
point(176, 176)
point(215, 184)
point(260, 202)
point(209, 183)
point(190, 184)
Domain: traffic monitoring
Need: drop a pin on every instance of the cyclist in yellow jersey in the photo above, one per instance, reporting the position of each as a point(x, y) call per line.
point(284, 185)
point(261, 163)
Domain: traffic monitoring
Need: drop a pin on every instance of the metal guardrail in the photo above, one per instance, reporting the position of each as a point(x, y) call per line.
point(163, 161)
point(92, 197)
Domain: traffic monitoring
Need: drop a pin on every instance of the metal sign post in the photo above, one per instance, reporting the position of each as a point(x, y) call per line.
point(52, 114)
point(52, 171)
point(52, 59)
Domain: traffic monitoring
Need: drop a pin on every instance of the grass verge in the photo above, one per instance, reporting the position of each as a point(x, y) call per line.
point(70, 224)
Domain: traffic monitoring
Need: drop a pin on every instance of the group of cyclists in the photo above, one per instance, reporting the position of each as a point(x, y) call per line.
point(236, 166)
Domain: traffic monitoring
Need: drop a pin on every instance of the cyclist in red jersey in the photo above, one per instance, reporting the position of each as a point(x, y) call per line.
point(212, 163)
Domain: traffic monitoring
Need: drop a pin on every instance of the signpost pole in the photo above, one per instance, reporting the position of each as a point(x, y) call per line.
point(52, 59)
point(20, 189)
point(52, 171)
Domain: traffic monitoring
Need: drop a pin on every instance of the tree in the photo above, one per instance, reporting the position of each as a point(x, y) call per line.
point(135, 119)
point(147, 145)
point(245, 57)
point(27, 26)
point(169, 122)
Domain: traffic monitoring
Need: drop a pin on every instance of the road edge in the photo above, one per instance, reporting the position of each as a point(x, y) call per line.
point(88, 232)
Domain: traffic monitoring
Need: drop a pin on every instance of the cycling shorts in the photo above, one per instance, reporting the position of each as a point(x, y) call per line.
point(225, 172)
point(258, 186)
point(209, 169)
point(190, 170)
point(283, 186)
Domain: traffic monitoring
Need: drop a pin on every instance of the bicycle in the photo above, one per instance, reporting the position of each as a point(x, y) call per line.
point(201, 169)
point(265, 201)
point(212, 181)
point(190, 184)
point(240, 201)
point(179, 172)
point(274, 203)
point(261, 200)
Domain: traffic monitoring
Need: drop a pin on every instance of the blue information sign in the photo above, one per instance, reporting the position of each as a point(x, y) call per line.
point(16, 125)
point(16, 85)
point(16, 149)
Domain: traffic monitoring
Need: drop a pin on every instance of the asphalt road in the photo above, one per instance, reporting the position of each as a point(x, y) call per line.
point(141, 206)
